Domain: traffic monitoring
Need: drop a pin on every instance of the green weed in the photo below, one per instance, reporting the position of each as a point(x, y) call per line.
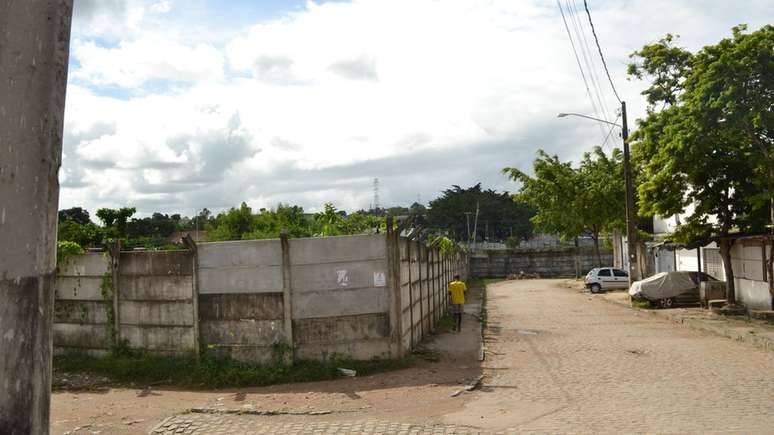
point(211, 372)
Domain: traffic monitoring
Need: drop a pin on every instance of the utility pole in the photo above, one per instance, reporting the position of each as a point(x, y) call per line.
point(631, 224)
point(475, 223)
point(467, 223)
point(34, 49)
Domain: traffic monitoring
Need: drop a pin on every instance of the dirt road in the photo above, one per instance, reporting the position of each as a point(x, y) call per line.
point(557, 361)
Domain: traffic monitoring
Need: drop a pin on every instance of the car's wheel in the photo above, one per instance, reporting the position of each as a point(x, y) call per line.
point(595, 288)
point(666, 302)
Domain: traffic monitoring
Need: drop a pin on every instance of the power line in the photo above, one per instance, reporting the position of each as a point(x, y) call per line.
point(601, 56)
point(591, 65)
point(612, 127)
point(577, 60)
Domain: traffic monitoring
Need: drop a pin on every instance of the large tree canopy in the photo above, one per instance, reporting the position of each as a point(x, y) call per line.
point(589, 199)
point(499, 217)
point(706, 145)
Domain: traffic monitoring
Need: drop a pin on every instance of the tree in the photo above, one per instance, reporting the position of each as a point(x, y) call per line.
point(329, 220)
point(115, 221)
point(499, 216)
point(233, 224)
point(710, 144)
point(75, 214)
point(84, 235)
point(571, 201)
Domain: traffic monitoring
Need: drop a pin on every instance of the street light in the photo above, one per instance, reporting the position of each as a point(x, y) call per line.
point(562, 115)
point(631, 226)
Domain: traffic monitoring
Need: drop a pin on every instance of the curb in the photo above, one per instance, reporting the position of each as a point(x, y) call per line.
point(726, 331)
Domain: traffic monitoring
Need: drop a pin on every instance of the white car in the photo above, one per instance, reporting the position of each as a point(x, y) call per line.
point(606, 278)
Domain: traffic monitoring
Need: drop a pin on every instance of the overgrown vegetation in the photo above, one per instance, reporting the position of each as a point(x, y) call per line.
point(65, 250)
point(211, 372)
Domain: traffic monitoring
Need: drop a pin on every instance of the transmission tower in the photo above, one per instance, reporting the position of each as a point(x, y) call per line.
point(376, 195)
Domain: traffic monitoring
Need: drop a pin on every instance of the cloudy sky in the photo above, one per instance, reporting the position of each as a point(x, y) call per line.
point(177, 105)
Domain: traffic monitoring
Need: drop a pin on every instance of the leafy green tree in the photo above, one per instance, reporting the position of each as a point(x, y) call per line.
point(233, 224)
point(707, 139)
point(571, 201)
point(498, 213)
point(85, 235)
point(115, 221)
point(329, 220)
point(75, 214)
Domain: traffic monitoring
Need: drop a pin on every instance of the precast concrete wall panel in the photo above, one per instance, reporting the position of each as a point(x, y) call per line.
point(79, 288)
point(265, 306)
point(251, 266)
point(170, 339)
point(155, 303)
point(332, 303)
point(80, 336)
point(167, 313)
point(80, 309)
point(258, 333)
point(156, 287)
point(341, 249)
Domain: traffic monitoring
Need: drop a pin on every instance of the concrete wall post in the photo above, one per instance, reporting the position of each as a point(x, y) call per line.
point(420, 256)
point(287, 293)
point(393, 287)
point(191, 245)
point(115, 270)
point(34, 44)
point(411, 294)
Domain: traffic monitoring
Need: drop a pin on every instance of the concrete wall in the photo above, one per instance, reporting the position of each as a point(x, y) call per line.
point(752, 287)
point(80, 311)
point(150, 298)
point(423, 280)
point(156, 301)
point(544, 262)
point(355, 296)
point(241, 303)
point(340, 298)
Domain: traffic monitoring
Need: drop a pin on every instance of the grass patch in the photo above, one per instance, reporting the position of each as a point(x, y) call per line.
point(643, 304)
point(211, 372)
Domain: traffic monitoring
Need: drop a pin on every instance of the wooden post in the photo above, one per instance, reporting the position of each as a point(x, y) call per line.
point(287, 294)
point(191, 245)
point(34, 48)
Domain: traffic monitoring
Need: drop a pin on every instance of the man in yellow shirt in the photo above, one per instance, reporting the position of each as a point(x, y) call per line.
point(457, 290)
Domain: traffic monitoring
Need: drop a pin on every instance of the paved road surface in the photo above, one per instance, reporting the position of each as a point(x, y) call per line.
point(559, 361)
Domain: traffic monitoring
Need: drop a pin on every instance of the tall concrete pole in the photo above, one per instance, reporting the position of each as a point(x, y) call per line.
point(631, 223)
point(34, 44)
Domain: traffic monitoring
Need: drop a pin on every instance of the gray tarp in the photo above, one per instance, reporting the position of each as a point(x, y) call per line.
point(662, 285)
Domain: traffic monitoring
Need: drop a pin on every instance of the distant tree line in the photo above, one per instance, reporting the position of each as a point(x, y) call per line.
point(499, 218)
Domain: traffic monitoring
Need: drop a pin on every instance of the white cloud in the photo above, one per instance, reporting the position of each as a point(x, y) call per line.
point(133, 63)
point(314, 105)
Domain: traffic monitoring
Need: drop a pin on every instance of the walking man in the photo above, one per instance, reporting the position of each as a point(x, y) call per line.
point(457, 290)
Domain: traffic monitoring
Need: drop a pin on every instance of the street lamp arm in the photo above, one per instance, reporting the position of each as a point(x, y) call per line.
point(562, 115)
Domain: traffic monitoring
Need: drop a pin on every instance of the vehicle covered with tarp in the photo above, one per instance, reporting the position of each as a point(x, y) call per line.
point(669, 288)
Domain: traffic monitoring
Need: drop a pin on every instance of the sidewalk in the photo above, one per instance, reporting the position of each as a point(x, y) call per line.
point(755, 332)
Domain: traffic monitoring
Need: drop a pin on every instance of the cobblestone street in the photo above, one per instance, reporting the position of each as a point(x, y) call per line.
point(560, 361)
